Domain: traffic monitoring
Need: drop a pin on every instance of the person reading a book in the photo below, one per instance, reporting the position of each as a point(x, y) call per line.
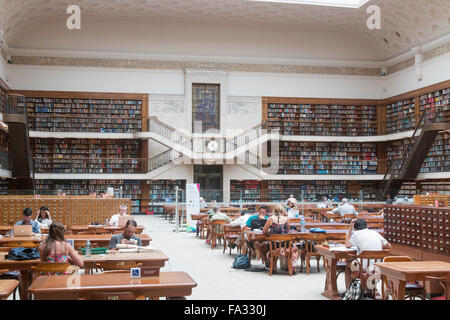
point(26, 220)
point(55, 249)
point(364, 239)
point(127, 237)
point(114, 221)
point(345, 208)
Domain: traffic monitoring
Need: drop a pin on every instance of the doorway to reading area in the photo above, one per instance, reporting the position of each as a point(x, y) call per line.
point(210, 179)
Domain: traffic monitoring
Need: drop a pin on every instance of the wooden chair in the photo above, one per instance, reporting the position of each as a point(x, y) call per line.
point(53, 268)
point(308, 250)
point(85, 233)
point(217, 231)
point(443, 281)
point(347, 218)
point(112, 296)
point(279, 245)
point(230, 235)
point(364, 260)
point(413, 289)
point(206, 230)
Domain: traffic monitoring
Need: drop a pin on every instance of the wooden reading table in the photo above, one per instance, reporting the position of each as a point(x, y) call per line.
point(173, 285)
point(399, 273)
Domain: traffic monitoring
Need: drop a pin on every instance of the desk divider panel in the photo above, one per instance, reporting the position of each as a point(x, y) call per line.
point(68, 211)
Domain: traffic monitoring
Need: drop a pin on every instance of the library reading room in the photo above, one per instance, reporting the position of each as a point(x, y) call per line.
point(224, 150)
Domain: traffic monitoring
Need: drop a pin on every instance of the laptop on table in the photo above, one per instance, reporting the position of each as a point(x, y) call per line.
point(23, 231)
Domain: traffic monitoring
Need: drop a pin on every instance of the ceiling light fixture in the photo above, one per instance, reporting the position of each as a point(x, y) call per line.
point(331, 3)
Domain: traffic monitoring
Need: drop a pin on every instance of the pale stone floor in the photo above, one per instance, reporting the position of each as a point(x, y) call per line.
point(211, 269)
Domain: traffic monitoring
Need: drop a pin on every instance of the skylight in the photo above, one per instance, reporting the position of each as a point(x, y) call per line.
point(331, 3)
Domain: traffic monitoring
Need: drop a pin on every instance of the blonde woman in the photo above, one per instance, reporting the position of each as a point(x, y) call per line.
point(278, 224)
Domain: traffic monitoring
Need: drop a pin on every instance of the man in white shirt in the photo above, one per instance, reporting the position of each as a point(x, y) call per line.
point(345, 208)
point(114, 221)
point(324, 204)
point(364, 239)
point(242, 220)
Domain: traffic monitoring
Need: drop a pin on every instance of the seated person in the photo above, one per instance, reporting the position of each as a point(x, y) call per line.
point(292, 211)
point(278, 224)
point(324, 204)
point(114, 221)
point(242, 220)
point(202, 203)
point(27, 213)
point(345, 208)
point(43, 217)
point(253, 222)
point(261, 215)
point(364, 239)
point(217, 215)
point(127, 237)
point(56, 249)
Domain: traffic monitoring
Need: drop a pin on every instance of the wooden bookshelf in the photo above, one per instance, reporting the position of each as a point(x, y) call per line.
point(438, 158)
point(57, 111)
point(245, 191)
point(86, 156)
point(131, 189)
point(321, 117)
point(334, 158)
point(313, 190)
point(161, 191)
point(401, 115)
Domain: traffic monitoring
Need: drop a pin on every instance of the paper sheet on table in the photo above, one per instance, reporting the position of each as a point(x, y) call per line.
point(343, 248)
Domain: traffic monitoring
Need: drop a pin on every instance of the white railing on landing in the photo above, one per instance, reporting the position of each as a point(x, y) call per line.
point(162, 159)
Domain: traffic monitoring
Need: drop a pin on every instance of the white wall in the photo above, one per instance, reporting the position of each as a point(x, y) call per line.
point(434, 71)
point(3, 70)
point(197, 38)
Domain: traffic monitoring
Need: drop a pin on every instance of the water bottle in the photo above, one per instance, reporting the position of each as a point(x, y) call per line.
point(302, 224)
point(88, 249)
point(106, 222)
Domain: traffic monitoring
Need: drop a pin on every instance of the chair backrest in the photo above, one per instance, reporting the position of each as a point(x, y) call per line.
point(367, 257)
point(347, 218)
point(397, 259)
point(217, 225)
point(279, 241)
point(50, 267)
point(227, 229)
point(110, 296)
point(119, 265)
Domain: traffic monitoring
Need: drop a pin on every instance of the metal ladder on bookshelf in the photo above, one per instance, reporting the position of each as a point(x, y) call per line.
point(431, 122)
point(21, 158)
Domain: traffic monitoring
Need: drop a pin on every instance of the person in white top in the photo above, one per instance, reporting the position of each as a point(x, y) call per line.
point(242, 220)
point(202, 203)
point(364, 239)
point(292, 212)
point(345, 208)
point(114, 221)
point(324, 204)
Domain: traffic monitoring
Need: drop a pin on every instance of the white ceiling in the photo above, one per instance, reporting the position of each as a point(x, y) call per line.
point(405, 23)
